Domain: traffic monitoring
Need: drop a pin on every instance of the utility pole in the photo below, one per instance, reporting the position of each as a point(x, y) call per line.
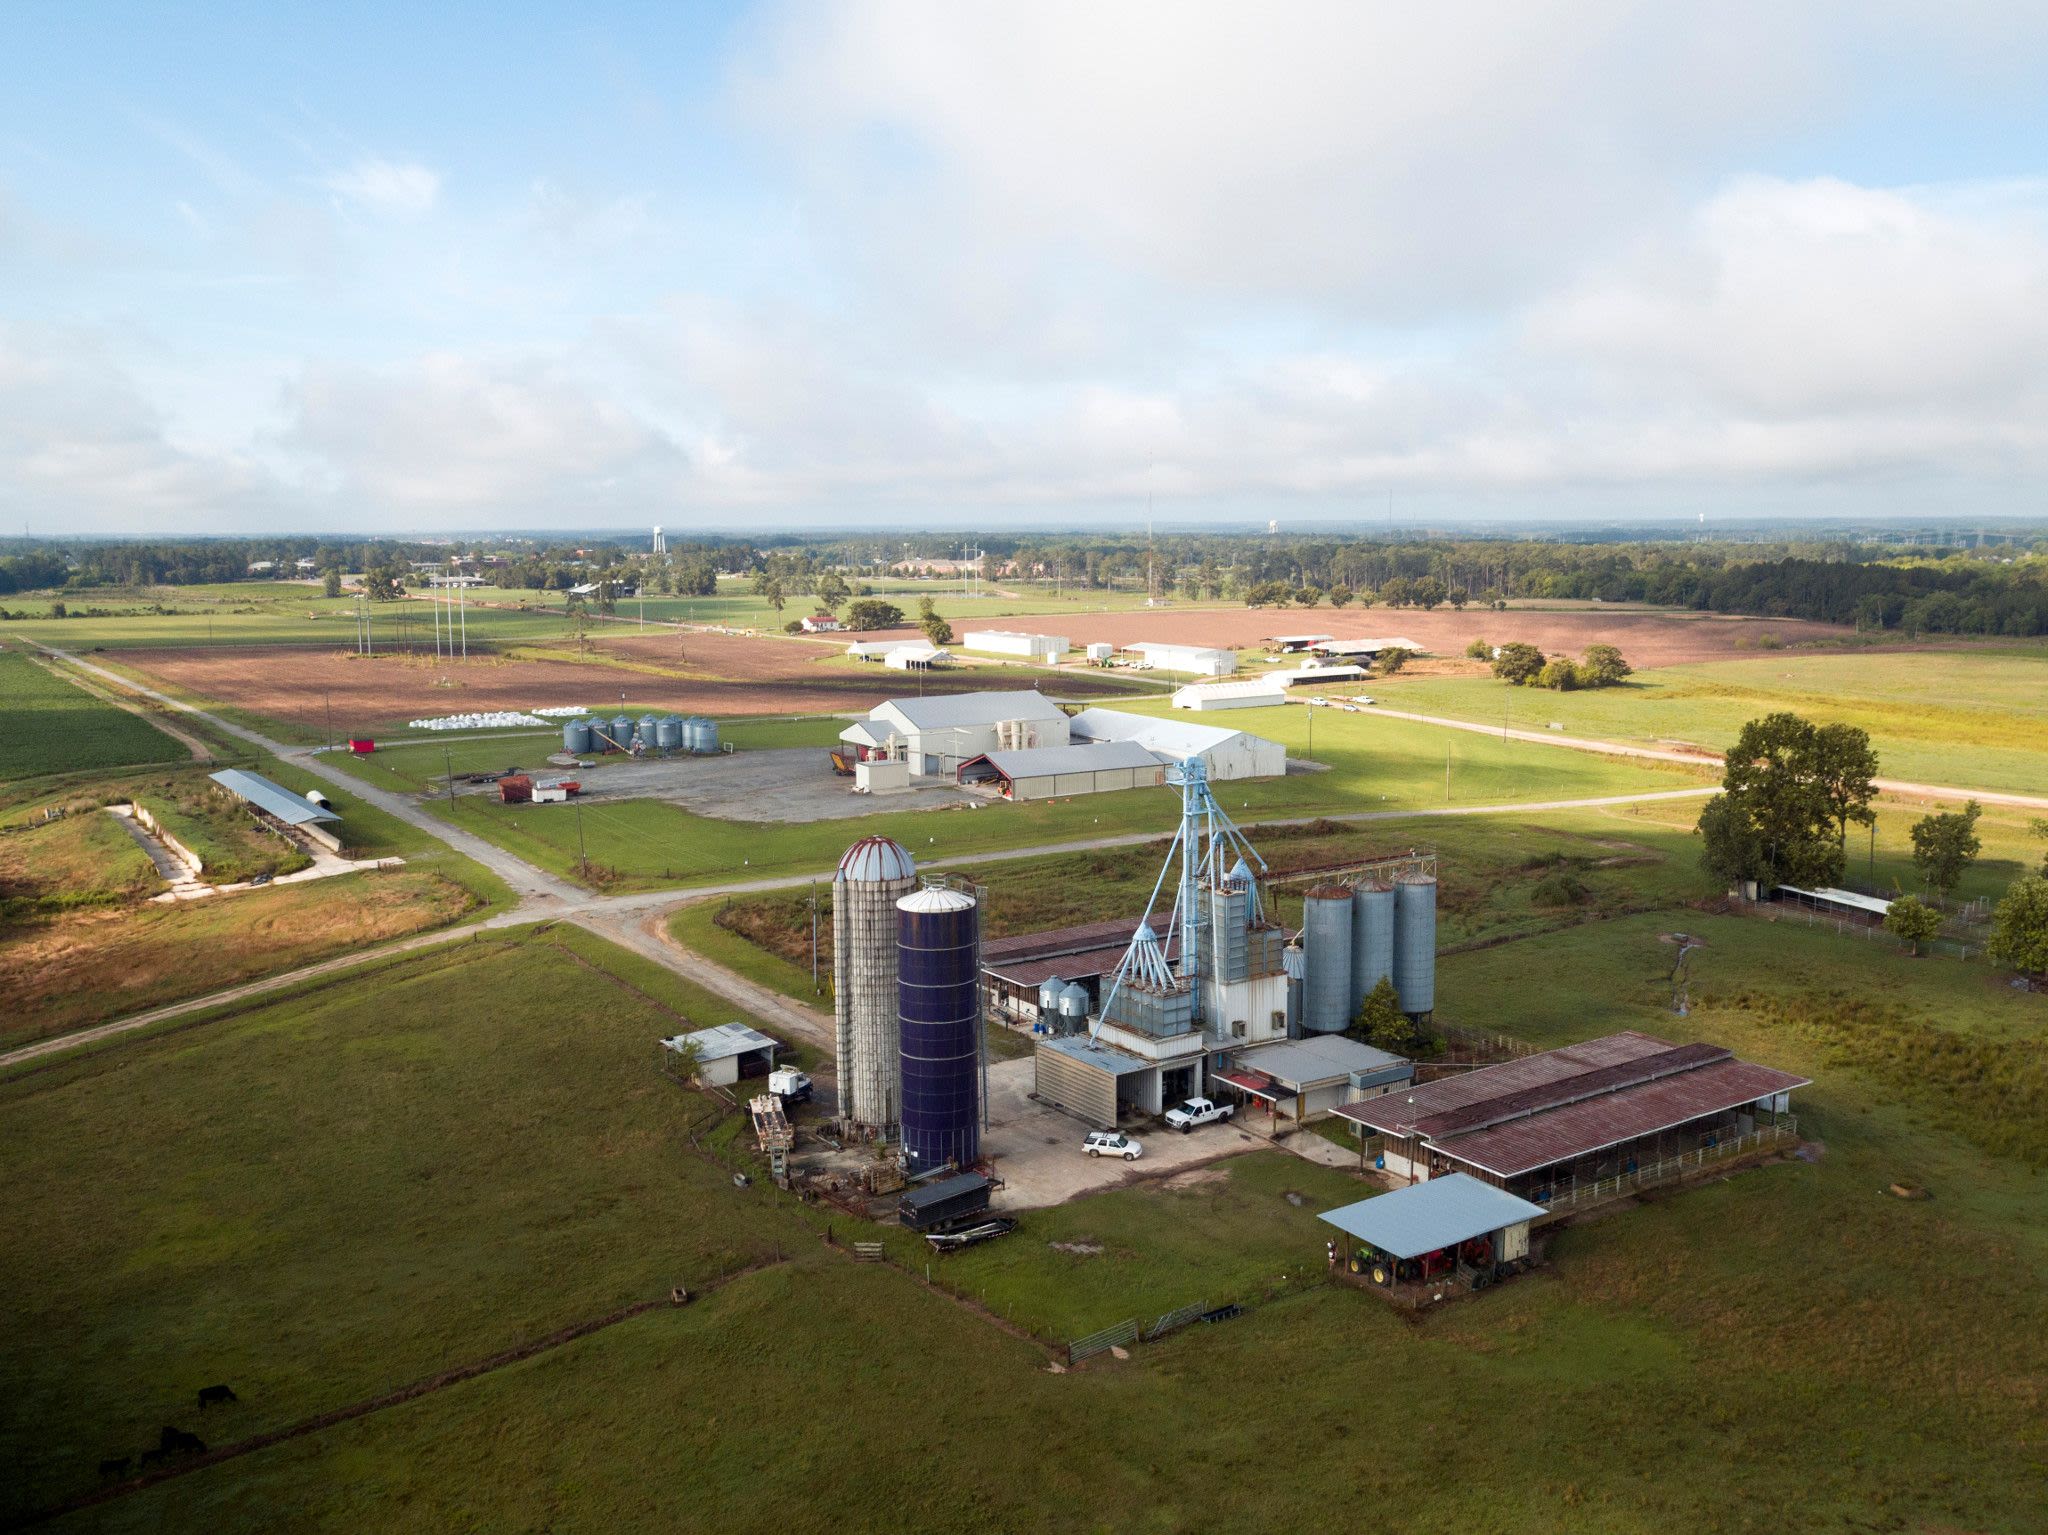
point(814, 937)
point(330, 719)
point(449, 762)
point(1447, 772)
point(582, 859)
point(462, 610)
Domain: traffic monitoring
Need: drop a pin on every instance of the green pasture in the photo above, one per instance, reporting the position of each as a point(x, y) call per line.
point(50, 725)
point(1375, 764)
point(480, 1158)
point(1975, 718)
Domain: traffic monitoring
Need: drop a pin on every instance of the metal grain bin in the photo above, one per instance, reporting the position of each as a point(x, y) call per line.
point(707, 736)
point(622, 731)
point(668, 733)
point(576, 737)
point(1326, 998)
point(1415, 944)
point(1049, 991)
point(1074, 1005)
point(647, 728)
point(939, 1008)
point(1372, 938)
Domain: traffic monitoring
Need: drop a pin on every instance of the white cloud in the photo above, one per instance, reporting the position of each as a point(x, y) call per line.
point(400, 187)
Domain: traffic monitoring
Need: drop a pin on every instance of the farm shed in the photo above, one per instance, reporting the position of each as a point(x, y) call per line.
point(1294, 644)
point(1252, 693)
point(273, 802)
point(1052, 772)
point(1225, 753)
point(1093, 1084)
point(1195, 660)
point(1013, 969)
point(1828, 900)
point(1367, 647)
point(1548, 1124)
point(916, 658)
point(1316, 676)
point(1432, 1226)
point(938, 734)
point(1303, 1079)
point(1012, 642)
point(728, 1052)
point(878, 650)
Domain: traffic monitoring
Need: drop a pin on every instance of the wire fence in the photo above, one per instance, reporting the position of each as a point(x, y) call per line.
point(1670, 1169)
point(1849, 927)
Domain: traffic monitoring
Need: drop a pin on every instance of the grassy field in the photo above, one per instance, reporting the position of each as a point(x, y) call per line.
point(1374, 765)
point(1976, 718)
point(82, 860)
point(1788, 1348)
point(49, 725)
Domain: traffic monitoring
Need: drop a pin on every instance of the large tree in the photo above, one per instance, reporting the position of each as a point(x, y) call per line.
point(1789, 790)
point(1518, 662)
point(1603, 667)
point(1913, 920)
point(2019, 927)
point(1945, 845)
point(873, 613)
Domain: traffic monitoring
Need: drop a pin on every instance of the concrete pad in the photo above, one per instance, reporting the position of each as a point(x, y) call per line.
point(1037, 1149)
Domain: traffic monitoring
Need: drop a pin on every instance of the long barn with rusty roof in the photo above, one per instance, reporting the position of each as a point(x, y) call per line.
point(1553, 1123)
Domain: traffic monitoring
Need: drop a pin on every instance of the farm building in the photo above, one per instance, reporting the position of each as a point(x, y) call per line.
point(1550, 1126)
point(1226, 754)
point(938, 734)
point(1252, 693)
point(1827, 900)
point(1009, 642)
point(1427, 1230)
point(1367, 648)
point(878, 650)
point(1294, 644)
point(1096, 1085)
point(916, 658)
point(1015, 972)
point(274, 804)
point(819, 623)
point(1050, 772)
point(1100, 651)
point(1194, 660)
point(728, 1053)
point(1303, 1079)
point(1315, 676)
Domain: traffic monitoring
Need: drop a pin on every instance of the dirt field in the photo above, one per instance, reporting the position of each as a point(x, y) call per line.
point(717, 675)
point(1647, 639)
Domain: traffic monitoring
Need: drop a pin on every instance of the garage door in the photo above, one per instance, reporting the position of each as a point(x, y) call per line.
point(1086, 1091)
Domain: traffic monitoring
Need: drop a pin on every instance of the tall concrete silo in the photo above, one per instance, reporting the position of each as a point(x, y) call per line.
point(1326, 1005)
point(1415, 943)
point(875, 873)
point(1372, 938)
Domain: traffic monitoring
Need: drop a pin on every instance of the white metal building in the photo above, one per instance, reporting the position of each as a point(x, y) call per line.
point(1366, 647)
point(1053, 772)
point(1251, 693)
point(728, 1052)
point(1195, 660)
point(1225, 753)
point(940, 733)
point(1303, 1079)
point(1010, 642)
point(1100, 650)
point(1314, 676)
point(916, 658)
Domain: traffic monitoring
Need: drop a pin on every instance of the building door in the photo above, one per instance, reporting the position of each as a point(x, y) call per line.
point(1177, 1085)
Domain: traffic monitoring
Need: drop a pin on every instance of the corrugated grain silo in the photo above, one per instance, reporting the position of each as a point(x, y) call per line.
point(938, 975)
point(622, 732)
point(668, 733)
point(706, 739)
point(1326, 1005)
point(1415, 943)
point(1049, 991)
point(576, 737)
point(873, 876)
point(1074, 1005)
point(648, 730)
point(1372, 938)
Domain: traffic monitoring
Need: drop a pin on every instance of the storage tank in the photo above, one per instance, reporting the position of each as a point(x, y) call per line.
point(668, 733)
point(622, 731)
point(938, 961)
point(873, 875)
point(1415, 944)
point(1372, 938)
point(1074, 1005)
point(647, 728)
point(1326, 1006)
point(707, 737)
point(576, 737)
point(1049, 991)
point(315, 797)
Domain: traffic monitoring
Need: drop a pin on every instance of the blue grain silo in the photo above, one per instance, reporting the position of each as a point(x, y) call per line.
point(938, 961)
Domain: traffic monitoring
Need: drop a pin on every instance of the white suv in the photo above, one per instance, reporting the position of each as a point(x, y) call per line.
point(1112, 1143)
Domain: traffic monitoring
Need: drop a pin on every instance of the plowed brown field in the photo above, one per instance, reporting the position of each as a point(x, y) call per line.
point(1646, 639)
point(718, 675)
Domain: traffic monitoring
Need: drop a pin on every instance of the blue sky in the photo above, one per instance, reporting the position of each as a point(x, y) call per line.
point(469, 267)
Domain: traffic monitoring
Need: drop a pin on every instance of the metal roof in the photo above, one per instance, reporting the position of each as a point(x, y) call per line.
point(271, 798)
point(1425, 1217)
point(939, 1191)
point(935, 899)
point(1400, 1112)
point(1311, 675)
point(1301, 1061)
point(1174, 648)
point(1174, 738)
point(1244, 687)
point(1849, 898)
point(987, 708)
point(1365, 647)
point(1115, 1062)
point(866, 733)
point(1593, 1124)
point(875, 860)
point(724, 1040)
point(1051, 761)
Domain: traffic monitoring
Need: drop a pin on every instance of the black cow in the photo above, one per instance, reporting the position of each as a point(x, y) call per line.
point(208, 1395)
point(175, 1441)
point(113, 1465)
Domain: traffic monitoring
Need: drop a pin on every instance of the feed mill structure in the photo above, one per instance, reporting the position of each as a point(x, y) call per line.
point(873, 876)
point(1363, 925)
point(939, 1047)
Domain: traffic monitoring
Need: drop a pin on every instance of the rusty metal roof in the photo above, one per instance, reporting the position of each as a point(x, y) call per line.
point(1399, 1113)
point(1592, 1124)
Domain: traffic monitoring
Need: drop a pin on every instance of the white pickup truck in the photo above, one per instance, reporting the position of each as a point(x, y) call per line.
point(1198, 1111)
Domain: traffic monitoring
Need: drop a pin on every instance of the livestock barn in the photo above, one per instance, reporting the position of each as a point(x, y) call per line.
point(1625, 1110)
point(1053, 772)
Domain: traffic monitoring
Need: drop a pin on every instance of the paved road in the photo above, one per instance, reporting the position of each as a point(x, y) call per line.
point(1705, 759)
